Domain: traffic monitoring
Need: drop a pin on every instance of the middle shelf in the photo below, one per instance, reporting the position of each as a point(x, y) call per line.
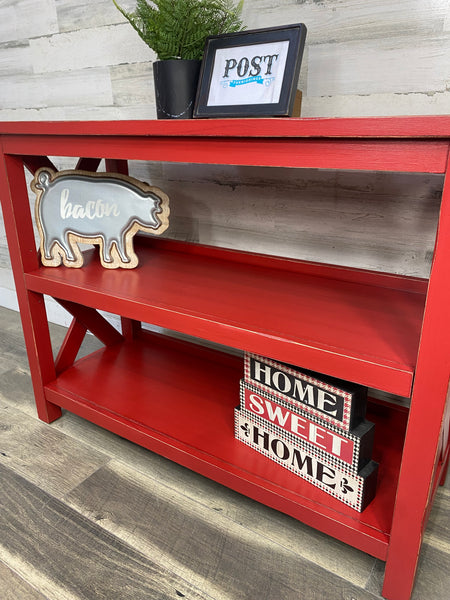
point(355, 325)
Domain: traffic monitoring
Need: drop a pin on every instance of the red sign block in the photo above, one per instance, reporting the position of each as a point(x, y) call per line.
point(315, 434)
point(351, 450)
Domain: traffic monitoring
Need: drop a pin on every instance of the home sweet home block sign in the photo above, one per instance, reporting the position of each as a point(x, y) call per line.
point(311, 425)
point(107, 209)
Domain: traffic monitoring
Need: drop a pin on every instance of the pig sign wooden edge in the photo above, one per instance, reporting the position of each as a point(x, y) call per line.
point(107, 209)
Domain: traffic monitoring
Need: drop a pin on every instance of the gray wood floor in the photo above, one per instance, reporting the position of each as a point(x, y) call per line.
point(85, 514)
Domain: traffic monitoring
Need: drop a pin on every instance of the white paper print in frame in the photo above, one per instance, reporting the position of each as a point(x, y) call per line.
point(248, 74)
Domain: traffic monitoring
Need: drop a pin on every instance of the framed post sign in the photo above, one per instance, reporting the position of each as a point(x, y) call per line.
point(251, 73)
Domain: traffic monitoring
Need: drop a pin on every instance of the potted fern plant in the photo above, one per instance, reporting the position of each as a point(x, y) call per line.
point(176, 31)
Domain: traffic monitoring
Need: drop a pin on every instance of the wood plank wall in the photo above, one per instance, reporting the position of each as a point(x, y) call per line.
point(75, 59)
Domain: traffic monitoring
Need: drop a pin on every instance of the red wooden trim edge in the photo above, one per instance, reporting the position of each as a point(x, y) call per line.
point(403, 155)
point(369, 127)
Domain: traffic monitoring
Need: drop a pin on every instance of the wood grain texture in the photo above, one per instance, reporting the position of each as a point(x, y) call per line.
point(195, 544)
point(430, 103)
point(13, 348)
point(204, 552)
point(97, 47)
point(15, 58)
point(67, 556)
point(132, 84)
point(349, 63)
point(437, 533)
point(41, 454)
point(343, 20)
point(381, 221)
point(77, 87)
point(13, 587)
point(75, 16)
point(432, 578)
point(20, 20)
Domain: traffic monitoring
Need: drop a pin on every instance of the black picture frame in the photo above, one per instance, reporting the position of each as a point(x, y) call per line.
point(247, 57)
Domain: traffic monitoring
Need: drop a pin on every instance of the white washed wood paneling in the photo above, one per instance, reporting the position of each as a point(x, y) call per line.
point(447, 19)
point(390, 105)
point(377, 66)
point(132, 84)
point(85, 14)
point(87, 48)
point(379, 221)
point(69, 88)
point(15, 58)
point(79, 113)
point(20, 19)
point(343, 20)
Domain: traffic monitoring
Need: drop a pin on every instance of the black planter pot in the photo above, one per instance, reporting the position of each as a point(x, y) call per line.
point(175, 87)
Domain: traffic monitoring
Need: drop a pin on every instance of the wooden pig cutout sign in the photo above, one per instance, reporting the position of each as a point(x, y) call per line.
point(108, 209)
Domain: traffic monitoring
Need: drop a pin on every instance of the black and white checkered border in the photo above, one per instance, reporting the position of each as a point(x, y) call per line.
point(356, 505)
point(348, 397)
point(325, 457)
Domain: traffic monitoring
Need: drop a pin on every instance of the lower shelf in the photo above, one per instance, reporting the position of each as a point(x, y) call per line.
point(177, 399)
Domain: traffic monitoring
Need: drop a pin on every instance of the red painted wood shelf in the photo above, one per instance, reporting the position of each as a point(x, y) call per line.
point(366, 323)
point(192, 423)
point(385, 331)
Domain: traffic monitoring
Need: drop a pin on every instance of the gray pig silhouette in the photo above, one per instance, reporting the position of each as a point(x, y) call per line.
point(98, 208)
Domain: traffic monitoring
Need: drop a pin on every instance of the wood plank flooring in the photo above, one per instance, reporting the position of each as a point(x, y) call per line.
point(85, 514)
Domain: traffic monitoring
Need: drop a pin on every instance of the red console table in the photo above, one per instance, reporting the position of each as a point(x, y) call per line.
point(385, 331)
